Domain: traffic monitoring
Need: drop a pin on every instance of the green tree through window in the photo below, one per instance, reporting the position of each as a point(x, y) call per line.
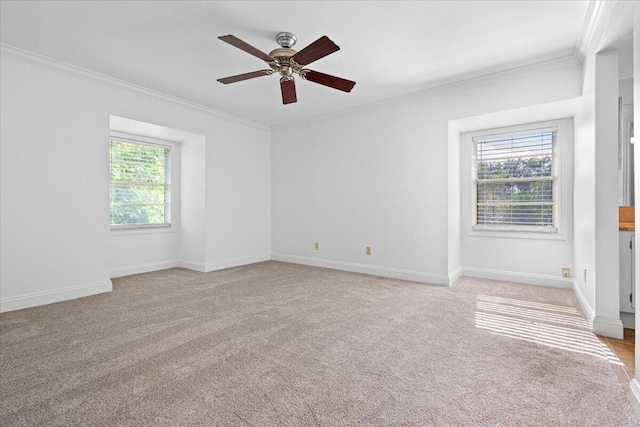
point(140, 183)
point(515, 180)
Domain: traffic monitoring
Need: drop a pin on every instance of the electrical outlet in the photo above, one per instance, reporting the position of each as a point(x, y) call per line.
point(368, 250)
point(316, 246)
point(566, 272)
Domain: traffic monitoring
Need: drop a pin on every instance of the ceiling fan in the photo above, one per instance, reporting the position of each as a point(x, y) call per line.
point(287, 62)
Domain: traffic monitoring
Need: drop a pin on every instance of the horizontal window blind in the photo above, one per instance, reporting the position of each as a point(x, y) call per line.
point(515, 180)
point(140, 183)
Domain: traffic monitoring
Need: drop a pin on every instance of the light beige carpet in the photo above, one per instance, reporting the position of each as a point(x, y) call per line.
point(281, 344)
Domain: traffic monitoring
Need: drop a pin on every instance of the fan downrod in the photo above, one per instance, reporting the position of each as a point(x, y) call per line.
point(286, 40)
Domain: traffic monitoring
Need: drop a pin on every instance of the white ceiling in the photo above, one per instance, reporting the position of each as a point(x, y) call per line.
point(389, 48)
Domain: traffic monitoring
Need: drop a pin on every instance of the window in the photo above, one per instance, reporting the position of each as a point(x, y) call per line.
point(140, 175)
point(515, 180)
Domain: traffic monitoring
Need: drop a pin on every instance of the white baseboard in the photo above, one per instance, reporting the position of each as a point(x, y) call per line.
point(193, 265)
point(634, 395)
point(188, 264)
point(512, 276)
point(221, 265)
point(587, 310)
point(455, 275)
point(608, 327)
point(374, 270)
point(144, 268)
point(54, 295)
point(628, 320)
point(236, 262)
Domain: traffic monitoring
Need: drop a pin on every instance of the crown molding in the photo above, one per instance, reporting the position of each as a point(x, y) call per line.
point(48, 63)
point(451, 85)
point(591, 16)
point(485, 77)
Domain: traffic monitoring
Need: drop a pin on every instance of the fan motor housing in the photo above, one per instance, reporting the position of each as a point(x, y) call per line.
point(283, 53)
point(282, 63)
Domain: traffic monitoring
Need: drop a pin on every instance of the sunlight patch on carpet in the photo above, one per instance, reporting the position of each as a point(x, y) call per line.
point(550, 325)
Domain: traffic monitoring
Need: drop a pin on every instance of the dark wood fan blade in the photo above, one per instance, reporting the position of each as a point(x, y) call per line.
point(234, 41)
point(288, 88)
point(316, 50)
point(328, 80)
point(245, 76)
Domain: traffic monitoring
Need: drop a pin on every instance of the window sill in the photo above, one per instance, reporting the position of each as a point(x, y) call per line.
point(517, 234)
point(128, 231)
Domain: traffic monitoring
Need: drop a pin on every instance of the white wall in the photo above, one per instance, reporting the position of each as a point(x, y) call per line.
point(626, 91)
point(140, 252)
point(193, 223)
point(380, 176)
point(238, 197)
point(54, 181)
point(454, 213)
point(607, 308)
point(584, 201)
point(54, 188)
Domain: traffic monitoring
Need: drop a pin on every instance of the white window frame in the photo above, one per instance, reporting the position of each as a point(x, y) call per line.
point(172, 225)
point(468, 170)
